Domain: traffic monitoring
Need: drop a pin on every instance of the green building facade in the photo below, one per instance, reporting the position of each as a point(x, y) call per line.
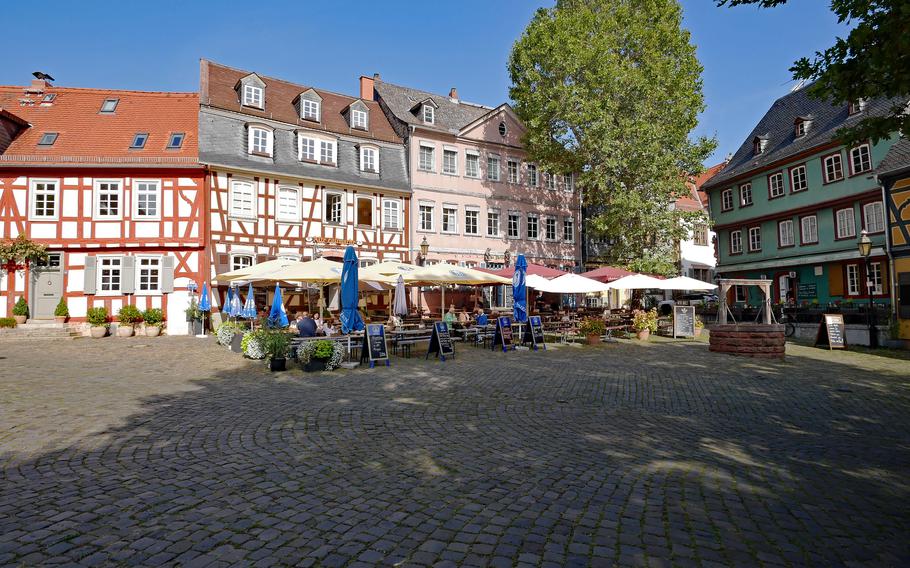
point(792, 202)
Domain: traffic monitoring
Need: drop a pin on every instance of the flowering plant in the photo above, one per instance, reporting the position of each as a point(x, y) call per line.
point(253, 345)
point(644, 320)
point(330, 351)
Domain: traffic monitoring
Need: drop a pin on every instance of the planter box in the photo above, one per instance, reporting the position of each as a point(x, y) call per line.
point(235, 343)
point(278, 364)
point(195, 327)
point(314, 365)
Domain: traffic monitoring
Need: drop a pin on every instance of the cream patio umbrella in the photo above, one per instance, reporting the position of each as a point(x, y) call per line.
point(255, 270)
point(637, 282)
point(686, 283)
point(573, 284)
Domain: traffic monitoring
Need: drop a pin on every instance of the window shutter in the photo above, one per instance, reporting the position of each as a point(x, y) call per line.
point(835, 280)
point(91, 280)
point(167, 274)
point(127, 274)
point(886, 282)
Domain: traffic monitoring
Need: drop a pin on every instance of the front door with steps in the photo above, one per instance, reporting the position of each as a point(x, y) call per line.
point(47, 286)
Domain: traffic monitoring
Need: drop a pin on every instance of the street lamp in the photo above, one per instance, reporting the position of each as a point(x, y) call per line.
point(424, 249)
point(507, 257)
point(865, 249)
point(315, 244)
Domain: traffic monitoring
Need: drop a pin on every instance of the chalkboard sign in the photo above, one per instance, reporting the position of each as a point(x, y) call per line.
point(808, 290)
point(683, 321)
point(441, 342)
point(374, 345)
point(832, 332)
point(533, 332)
point(503, 335)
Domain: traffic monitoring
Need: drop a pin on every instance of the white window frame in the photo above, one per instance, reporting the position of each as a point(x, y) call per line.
point(253, 96)
point(157, 193)
point(139, 269)
point(781, 241)
point(234, 256)
point(536, 224)
point(546, 225)
point(302, 141)
point(450, 153)
point(875, 278)
point(428, 114)
point(801, 170)
point(845, 229)
point(736, 242)
point(332, 147)
point(251, 141)
point(476, 211)
point(868, 156)
point(880, 217)
point(568, 222)
point(32, 194)
point(829, 160)
point(744, 190)
point(569, 181)
point(286, 218)
point(752, 239)
point(428, 165)
point(533, 175)
point(726, 196)
point(518, 217)
point(325, 207)
point(551, 181)
point(421, 218)
point(309, 110)
point(468, 156)
point(513, 167)
point(778, 176)
point(359, 222)
point(359, 119)
point(740, 294)
point(803, 229)
point(364, 151)
point(238, 213)
point(96, 186)
point(494, 167)
point(497, 224)
point(854, 287)
point(449, 208)
point(399, 214)
point(100, 276)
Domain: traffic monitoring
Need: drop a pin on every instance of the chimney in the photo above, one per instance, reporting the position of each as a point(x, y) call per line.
point(366, 87)
point(41, 82)
point(453, 94)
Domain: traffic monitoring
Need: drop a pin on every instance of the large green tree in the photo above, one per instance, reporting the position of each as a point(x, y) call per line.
point(612, 89)
point(872, 61)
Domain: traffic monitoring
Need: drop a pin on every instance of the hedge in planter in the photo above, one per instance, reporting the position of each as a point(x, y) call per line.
point(97, 319)
point(253, 344)
point(153, 317)
point(21, 308)
point(61, 311)
point(332, 352)
point(7, 322)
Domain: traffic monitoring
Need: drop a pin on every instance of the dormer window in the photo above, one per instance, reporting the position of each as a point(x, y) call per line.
point(109, 106)
point(260, 141)
point(252, 96)
point(48, 139)
point(759, 143)
point(139, 140)
point(429, 115)
point(801, 125)
point(358, 119)
point(369, 159)
point(857, 106)
point(309, 110)
point(800, 129)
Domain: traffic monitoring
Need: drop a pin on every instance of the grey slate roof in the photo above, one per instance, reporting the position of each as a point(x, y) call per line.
point(222, 141)
point(778, 125)
point(449, 117)
point(896, 160)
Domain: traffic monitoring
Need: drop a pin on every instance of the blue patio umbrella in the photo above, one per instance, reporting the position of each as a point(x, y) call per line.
point(350, 317)
point(226, 307)
point(234, 307)
point(278, 316)
point(205, 303)
point(520, 290)
point(249, 306)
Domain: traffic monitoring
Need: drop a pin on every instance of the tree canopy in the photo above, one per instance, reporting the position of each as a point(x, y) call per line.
point(612, 89)
point(872, 61)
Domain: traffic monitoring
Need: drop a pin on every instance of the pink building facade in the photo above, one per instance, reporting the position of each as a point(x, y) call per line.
point(475, 198)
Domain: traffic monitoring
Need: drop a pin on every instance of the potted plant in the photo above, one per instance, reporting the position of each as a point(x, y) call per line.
point(128, 316)
point(592, 329)
point(230, 334)
point(894, 340)
point(7, 323)
point(644, 323)
point(20, 311)
point(153, 317)
point(97, 319)
point(699, 326)
point(276, 345)
point(194, 318)
point(252, 344)
point(320, 355)
point(61, 312)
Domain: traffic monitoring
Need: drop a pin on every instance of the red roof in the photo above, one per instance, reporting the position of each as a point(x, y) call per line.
point(86, 135)
point(606, 273)
point(536, 269)
point(697, 199)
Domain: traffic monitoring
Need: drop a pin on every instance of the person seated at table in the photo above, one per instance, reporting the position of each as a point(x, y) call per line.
point(394, 321)
point(464, 318)
point(450, 317)
point(306, 326)
point(480, 317)
point(329, 329)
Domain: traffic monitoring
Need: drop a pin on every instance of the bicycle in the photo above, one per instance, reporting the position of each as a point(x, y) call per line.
point(789, 327)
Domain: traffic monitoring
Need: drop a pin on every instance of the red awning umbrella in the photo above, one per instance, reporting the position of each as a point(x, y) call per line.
point(607, 273)
point(536, 269)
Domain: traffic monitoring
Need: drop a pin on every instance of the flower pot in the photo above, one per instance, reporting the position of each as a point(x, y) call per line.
point(235, 343)
point(195, 327)
point(315, 365)
point(98, 331)
point(644, 334)
point(20, 319)
point(124, 330)
point(592, 339)
point(698, 331)
point(277, 364)
point(153, 330)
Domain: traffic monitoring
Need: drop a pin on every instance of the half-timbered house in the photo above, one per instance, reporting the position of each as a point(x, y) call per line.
point(298, 172)
point(109, 180)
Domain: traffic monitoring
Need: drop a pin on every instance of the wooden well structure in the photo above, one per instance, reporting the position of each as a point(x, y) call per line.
point(765, 339)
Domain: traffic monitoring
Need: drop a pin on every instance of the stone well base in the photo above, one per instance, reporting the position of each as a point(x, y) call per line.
point(749, 340)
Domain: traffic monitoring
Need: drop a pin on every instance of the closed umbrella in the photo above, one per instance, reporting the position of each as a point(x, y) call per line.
point(350, 317)
point(401, 303)
point(226, 307)
point(249, 306)
point(520, 290)
point(278, 316)
point(234, 306)
point(205, 303)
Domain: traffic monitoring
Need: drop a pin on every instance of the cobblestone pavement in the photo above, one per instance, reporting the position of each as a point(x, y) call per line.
point(173, 452)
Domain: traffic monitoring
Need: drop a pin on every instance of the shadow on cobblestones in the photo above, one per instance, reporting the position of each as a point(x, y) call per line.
point(626, 454)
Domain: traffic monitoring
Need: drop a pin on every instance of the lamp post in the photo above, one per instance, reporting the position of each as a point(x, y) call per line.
point(424, 249)
point(315, 244)
point(507, 257)
point(865, 249)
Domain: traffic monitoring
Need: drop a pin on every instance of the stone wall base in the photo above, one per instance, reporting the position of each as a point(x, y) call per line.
point(748, 340)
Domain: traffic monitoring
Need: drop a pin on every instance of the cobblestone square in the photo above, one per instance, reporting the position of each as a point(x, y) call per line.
point(175, 452)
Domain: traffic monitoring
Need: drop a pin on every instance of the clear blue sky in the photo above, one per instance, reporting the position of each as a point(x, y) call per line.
point(156, 46)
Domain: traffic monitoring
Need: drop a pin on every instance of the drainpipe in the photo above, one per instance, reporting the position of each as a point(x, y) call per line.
point(892, 280)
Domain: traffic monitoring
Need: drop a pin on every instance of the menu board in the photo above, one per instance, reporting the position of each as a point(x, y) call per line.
point(534, 332)
point(503, 336)
point(683, 321)
point(441, 342)
point(807, 290)
point(374, 345)
point(832, 332)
